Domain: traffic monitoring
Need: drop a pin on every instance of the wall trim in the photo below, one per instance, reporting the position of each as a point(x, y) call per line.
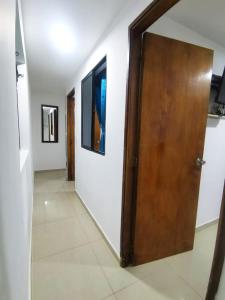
point(207, 224)
point(50, 170)
point(104, 235)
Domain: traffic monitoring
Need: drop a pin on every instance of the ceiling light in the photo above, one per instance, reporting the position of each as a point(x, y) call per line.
point(62, 38)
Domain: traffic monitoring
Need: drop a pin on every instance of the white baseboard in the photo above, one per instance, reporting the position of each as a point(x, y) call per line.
point(50, 170)
point(114, 251)
point(207, 224)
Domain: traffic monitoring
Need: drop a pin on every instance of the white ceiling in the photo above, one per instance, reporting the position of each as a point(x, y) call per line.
point(84, 21)
point(51, 68)
point(207, 17)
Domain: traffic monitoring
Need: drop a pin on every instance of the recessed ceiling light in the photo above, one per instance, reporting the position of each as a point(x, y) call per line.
point(62, 38)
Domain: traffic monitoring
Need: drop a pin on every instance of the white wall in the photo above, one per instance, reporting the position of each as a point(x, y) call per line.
point(16, 182)
point(213, 173)
point(99, 178)
point(48, 156)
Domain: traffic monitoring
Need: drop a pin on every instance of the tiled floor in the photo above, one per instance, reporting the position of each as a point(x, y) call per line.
point(71, 260)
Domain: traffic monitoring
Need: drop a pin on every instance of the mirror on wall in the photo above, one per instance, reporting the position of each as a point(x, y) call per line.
point(49, 115)
point(94, 108)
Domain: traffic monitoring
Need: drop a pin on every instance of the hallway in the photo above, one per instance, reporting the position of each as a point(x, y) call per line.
point(71, 98)
point(71, 260)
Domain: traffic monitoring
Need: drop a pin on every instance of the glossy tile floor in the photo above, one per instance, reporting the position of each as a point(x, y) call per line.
point(71, 260)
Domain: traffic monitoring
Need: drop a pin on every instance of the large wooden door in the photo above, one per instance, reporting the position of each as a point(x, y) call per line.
point(70, 137)
point(174, 100)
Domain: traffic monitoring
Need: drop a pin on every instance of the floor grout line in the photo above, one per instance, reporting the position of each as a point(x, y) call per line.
point(107, 297)
point(184, 280)
point(61, 252)
point(77, 214)
point(53, 200)
point(150, 273)
point(55, 221)
point(102, 267)
point(103, 271)
point(77, 217)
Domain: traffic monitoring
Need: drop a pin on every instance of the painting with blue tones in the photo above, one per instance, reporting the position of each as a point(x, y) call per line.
point(93, 92)
point(100, 109)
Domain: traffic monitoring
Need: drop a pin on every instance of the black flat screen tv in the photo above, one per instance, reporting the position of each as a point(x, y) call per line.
point(220, 99)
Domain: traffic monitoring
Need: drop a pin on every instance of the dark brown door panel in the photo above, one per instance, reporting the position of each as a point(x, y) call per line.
point(174, 102)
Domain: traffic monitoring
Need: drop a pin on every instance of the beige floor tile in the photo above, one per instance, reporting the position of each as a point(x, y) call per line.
point(55, 237)
point(91, 230)
point(160, 285)
point(110, 298)
point(195, 266)
point(49, 207)
point(80, 209)
point(205, 240)
point(49, 186)
point(50, 196)
point(140, 291)
point(118, 277)
point(51, 175)
point(89, 270)
point(145, 270)
point(69, 186)
point(71, 275)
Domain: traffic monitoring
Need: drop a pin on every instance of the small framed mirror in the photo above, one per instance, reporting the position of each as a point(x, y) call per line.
point(49, 116)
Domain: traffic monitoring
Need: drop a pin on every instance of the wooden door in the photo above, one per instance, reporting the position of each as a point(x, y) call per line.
point(70, 137)
point(174, 100)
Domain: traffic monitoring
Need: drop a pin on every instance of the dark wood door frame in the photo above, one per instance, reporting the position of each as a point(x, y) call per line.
point(70, 136)
point(151, 14)
point(219, 255)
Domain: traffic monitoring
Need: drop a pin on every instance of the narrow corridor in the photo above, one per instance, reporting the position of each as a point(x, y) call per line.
point(71, 260)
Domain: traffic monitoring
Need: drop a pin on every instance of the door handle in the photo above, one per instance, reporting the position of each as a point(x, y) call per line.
point(200, 162)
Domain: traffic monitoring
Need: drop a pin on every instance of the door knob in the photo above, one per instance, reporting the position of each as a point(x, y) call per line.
point(200, 162)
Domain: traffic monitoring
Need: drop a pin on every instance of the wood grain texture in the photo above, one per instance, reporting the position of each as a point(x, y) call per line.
point(96, 132)
point(70, 137)
point(219, 255)
point(174, 103)
point(153, 12)
point(130, 152)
